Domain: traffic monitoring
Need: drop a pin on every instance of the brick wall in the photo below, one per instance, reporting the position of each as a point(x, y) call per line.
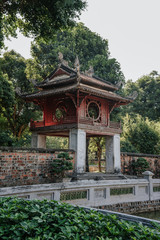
point(133, 207)
point(126, 160)
point(153, 160)
point(27, 166)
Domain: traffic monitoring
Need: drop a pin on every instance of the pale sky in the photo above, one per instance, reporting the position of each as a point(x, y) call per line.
point(131, 27)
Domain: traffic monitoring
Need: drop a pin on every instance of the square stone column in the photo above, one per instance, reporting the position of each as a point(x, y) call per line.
point(113, 162)
point(77, 142)
point(38, 141)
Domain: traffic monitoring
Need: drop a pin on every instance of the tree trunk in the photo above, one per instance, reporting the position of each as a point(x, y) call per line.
point(99, 152)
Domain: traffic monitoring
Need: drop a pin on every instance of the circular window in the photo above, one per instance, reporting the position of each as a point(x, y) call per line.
point(60, 113)
point(93, 110)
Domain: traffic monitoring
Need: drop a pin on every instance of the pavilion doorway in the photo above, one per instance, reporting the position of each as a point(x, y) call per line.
point(95, 154)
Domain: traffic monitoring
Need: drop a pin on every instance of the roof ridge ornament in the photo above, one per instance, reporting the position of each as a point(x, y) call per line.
point(90, 71)
point(119, 84)
point(77, 65)
point(33, 81)
point(133, 95)
point(61, 60)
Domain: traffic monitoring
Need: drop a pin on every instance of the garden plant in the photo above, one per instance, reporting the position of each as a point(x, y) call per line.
point(38, 220)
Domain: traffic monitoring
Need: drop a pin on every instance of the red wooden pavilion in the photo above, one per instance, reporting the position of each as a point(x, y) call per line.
point(78, 105)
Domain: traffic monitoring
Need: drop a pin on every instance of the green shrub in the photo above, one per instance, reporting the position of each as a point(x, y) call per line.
point(141, 133)
point(127, 146)
point(61, 164)
point(50, 220)
point(139, 166)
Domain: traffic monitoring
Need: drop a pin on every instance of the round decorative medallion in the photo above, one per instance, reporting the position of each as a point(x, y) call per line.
point(93, 110)
point(60, 113)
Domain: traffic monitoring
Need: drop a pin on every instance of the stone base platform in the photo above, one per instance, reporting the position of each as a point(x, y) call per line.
point(97, 176)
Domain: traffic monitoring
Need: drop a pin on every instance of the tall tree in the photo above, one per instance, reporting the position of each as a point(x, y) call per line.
point(96, 144)
point(141, 135)
point(147, 102)
point(38, 18)
point(12, 81)
point(89, 46)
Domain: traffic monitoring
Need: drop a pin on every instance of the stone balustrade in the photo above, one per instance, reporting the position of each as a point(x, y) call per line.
point(92, 193)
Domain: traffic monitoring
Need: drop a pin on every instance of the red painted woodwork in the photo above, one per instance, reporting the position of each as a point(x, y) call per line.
point(59, 72)
point(75, 111)
point(71, 99)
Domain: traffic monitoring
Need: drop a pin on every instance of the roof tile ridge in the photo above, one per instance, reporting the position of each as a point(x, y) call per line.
point(100, 79)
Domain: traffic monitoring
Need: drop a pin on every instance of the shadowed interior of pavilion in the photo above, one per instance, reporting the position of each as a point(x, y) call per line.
point(78, 105)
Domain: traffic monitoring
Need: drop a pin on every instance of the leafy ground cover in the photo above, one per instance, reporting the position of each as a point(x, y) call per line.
point(23, 219)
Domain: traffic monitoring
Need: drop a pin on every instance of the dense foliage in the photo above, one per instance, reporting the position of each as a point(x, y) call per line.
point(15, 113)
point(139, 166)
point(147, 103)
point(78, 41)
point(57, 142)
point(140, 134)
point(22, 219)
point(61, 164)
point(38, 19)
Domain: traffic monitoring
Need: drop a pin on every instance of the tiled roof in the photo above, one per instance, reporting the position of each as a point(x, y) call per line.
point(73, 88)
point(66, 80)
point(73, 75)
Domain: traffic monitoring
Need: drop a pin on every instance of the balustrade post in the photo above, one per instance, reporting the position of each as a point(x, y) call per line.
point(148, 175)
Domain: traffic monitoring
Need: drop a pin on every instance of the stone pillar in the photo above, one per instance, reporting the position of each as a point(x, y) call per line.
point(77, 142)
point(38, 141)
point(109, 155)
point(148, 175)
point(117, 153)
point(113, 162)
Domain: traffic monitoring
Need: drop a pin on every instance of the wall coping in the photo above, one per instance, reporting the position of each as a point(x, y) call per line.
point(43, 150)
point(139, 154)
point(33, 150)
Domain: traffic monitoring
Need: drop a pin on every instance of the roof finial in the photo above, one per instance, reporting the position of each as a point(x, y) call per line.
point(61, 60)
point(60, 56)
point(90, 71)
point(133, 95)
point(33, 81)
point(119, 84)
point(77, 64)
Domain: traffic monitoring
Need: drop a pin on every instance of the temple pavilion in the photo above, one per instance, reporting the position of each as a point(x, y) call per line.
point(78, 105)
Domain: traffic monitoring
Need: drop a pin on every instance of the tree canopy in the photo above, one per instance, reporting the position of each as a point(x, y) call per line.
point(39, 19)
point(147, 103)
point(140, 135)
point(14, 112)
point(78, 41)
